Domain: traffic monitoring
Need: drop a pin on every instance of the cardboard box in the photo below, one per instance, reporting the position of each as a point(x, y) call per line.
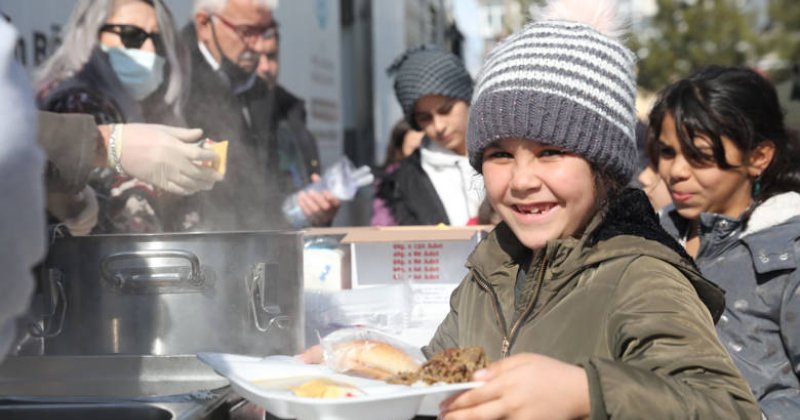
point(427, 261)
point(419, 254)
point(372, 256)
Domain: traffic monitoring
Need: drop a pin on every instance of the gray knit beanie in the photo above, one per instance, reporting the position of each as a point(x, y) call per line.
point(428, 70)
point(565, 80)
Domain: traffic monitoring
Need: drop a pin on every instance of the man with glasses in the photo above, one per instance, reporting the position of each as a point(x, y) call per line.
point(229, 101)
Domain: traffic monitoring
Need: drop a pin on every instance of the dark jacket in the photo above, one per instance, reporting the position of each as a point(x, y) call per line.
point(299, 152)
point(411, 196)
point(758, 268)
point(621, 301)
point(70, 143)
point(96, 90)
point(250, 196)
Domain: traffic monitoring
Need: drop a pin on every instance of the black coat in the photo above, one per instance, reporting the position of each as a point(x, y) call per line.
point(290, 123)
point(96, 90)
point(411, 196)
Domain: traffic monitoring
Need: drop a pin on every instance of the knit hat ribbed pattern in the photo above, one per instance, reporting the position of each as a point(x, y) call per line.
point(428, 70)
point(561, 83)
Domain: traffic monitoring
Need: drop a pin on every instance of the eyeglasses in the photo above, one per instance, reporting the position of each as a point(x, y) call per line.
point(133, 36)
point(250, 33)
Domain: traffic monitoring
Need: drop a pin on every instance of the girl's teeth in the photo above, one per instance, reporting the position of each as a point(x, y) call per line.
point(534, 210)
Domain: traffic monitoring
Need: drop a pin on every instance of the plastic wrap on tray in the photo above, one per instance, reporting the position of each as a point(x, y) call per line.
point(369, 353)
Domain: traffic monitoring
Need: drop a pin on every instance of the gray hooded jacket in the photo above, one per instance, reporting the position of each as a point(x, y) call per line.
point(757, 267)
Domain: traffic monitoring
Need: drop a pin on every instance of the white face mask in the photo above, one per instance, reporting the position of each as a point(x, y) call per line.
point(141, 72)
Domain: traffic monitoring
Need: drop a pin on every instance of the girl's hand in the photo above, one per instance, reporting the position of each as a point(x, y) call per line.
point(523, 386)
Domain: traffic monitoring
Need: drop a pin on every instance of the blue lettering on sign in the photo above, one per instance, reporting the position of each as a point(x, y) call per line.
point(323, 276)
point(322, 13)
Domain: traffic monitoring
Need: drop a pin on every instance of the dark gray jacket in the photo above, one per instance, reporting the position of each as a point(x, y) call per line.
point(758, 269)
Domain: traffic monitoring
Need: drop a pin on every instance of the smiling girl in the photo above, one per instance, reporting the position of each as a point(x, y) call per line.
point(719, 143)
point(584, 303)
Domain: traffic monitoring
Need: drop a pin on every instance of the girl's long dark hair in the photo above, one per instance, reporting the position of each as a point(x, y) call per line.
point(737, 103)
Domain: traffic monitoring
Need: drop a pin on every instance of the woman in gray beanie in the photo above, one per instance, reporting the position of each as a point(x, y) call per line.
point(434, 184)
point(585, 304)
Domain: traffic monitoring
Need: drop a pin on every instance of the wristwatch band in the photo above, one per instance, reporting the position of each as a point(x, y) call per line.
point(115, 148)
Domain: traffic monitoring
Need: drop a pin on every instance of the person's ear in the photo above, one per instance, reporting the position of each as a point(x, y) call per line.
point(202, 22)
point(760, 158)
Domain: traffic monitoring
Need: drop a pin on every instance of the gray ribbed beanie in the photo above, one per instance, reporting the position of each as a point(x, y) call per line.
point(561, 82)
point(428, 70)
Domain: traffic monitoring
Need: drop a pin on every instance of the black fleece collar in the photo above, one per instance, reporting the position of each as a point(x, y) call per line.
point(632, 214)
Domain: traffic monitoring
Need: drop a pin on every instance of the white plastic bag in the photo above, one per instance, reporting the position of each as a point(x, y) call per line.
point(336, 359)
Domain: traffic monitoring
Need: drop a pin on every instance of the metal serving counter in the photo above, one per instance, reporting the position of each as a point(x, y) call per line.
point(111, 387)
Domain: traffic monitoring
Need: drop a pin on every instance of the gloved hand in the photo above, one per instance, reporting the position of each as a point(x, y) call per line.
point(82, 223)
point(161, 155)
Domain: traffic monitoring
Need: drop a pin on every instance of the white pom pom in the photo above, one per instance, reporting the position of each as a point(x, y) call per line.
point(602, 15)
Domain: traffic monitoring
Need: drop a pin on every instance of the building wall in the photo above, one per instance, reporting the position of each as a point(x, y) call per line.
point(398, 25)
point(389, 35)
point(311, 67)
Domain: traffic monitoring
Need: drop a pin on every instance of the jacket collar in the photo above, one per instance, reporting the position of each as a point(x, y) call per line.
point(628, 227)
point(773, 249)
point(774, 211)
point(720, 229)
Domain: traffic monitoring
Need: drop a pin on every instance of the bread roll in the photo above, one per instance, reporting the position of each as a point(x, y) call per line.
point(373, 359)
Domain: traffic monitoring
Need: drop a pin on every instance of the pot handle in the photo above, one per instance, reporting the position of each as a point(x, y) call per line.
point(143, 275)
point(263, 296)
point(52, 297)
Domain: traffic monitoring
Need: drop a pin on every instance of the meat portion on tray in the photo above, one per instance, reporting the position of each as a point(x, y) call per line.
point(454, 365)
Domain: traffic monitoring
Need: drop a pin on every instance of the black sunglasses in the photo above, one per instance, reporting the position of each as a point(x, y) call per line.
point(133, 36)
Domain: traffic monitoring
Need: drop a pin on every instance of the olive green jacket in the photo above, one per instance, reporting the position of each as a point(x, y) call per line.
point(624, 307)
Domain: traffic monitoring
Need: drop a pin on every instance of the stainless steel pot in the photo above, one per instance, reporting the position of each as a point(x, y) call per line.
point(169, 294)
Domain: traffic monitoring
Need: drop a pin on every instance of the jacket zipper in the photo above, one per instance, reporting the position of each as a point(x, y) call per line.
point(507, 338)
point(482, 283)
point(529, 309)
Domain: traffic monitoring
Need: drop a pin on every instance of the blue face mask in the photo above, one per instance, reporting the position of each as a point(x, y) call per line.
point(141, 72)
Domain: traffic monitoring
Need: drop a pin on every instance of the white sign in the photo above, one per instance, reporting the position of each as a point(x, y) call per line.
point(310, 67)
point(39, 23)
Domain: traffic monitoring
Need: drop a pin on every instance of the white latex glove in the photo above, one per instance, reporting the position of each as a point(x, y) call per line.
point(161, 155)
point(83, 222)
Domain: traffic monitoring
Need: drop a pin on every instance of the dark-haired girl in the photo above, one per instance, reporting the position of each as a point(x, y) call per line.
point(732, 169)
